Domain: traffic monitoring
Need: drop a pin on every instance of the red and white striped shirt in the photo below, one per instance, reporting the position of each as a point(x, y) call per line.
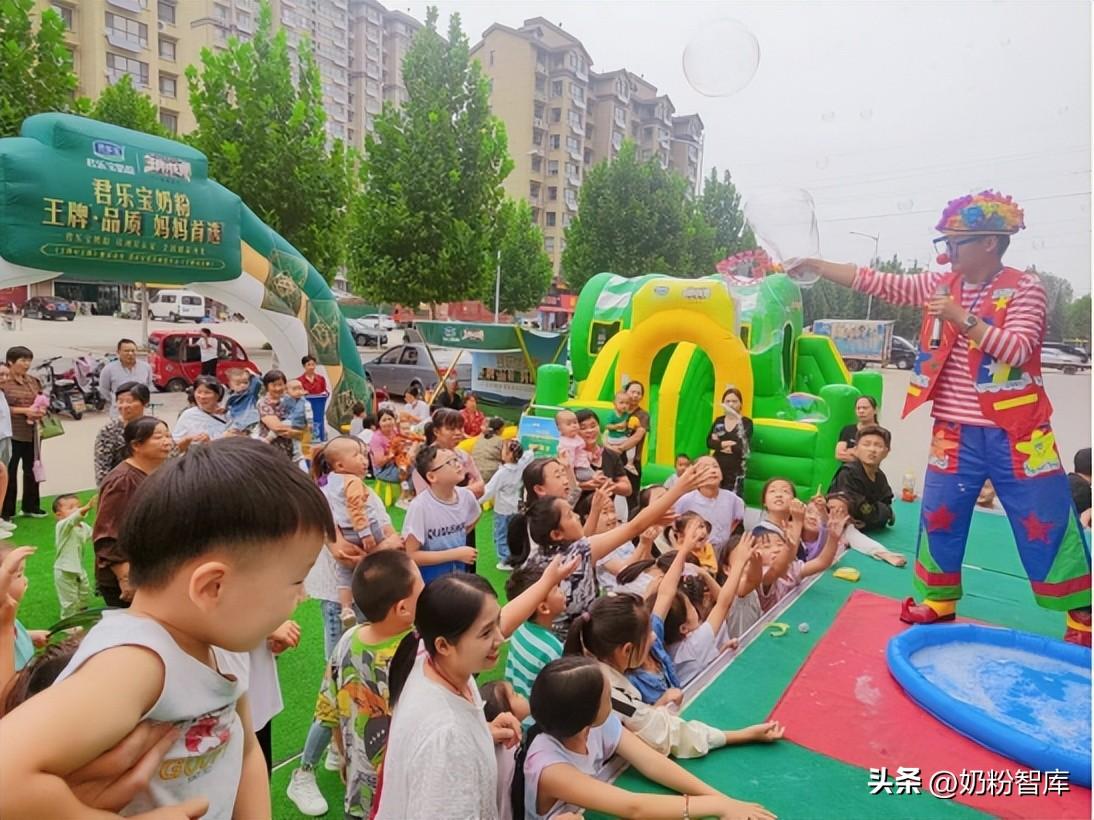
point(954, 397)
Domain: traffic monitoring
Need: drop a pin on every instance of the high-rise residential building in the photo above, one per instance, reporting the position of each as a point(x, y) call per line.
point(151, 40)
point(379, 39)
point(155, 40)
point(562, 118)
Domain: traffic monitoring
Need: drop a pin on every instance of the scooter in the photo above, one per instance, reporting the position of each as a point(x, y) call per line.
point(85, 373)
point(64, 394)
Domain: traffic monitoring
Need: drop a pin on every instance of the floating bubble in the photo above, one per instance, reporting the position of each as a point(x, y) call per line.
point(803, 627)
point(785, 223)
point(822, 163)
point(828, 116)
point(1038, 244)
point(721, 59)
point(905, 205)
point(807, 407)
point(866, 113)
point(1063, 109)
point(1004, 42)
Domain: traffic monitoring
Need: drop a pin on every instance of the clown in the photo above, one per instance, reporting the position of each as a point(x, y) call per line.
point(980, 366)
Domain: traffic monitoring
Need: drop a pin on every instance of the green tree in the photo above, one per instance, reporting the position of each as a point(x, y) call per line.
point(635, 218)
point(265, 138)
point(424, 228)
point(1078, 319)
point(122, 104)
point(720, 206)
point(35, 66)
point(1058, 298)
point(525, 267)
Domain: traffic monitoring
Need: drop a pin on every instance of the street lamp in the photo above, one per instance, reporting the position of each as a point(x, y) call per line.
point(877, 239)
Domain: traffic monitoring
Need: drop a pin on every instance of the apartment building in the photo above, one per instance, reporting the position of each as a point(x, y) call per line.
point(359, 47)
point(379, 40)
point(562, 118)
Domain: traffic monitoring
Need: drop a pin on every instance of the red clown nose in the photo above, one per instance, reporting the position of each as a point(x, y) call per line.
point(943, 259)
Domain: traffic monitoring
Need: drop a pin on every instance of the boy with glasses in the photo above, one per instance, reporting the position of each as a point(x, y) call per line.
point(439, 519)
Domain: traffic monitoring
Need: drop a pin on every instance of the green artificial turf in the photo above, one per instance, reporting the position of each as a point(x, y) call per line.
point(789, 779)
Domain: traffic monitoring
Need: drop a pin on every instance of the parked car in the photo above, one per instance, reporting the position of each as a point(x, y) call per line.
point(1065, 357)
point(365, 334)
point(49, 307)
point(903, 353)
point(176, 363)
point(176, 305)
point(409, 365)
point(380, 320)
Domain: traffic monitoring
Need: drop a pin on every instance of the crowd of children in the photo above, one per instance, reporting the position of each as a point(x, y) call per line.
point(611, 615)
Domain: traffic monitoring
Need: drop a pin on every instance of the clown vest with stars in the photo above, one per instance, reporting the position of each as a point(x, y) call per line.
point(1012, 398)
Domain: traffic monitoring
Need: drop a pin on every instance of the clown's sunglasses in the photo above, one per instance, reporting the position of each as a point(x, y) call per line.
point(947, 244)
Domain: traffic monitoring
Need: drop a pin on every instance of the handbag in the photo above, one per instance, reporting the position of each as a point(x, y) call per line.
point(50, 426)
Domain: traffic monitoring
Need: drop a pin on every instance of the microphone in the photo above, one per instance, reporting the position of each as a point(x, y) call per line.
point(935, 341)
point(942, 259)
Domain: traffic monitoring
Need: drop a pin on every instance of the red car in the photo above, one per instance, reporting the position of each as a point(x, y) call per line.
point(176, 362)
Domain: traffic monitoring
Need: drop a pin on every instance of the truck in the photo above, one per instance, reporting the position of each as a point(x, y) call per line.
point(858, 340)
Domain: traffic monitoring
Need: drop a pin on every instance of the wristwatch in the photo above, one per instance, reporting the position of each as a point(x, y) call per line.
point(970, 322)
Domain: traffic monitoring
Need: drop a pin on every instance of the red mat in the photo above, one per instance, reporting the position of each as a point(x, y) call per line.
point(844, 704)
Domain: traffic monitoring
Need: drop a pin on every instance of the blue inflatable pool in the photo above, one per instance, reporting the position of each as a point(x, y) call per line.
point(1023, 696)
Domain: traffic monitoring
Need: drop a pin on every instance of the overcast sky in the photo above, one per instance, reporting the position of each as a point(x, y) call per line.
point(882, 110)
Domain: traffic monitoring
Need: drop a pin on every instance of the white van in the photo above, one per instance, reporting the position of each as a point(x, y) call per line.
point(177, 305)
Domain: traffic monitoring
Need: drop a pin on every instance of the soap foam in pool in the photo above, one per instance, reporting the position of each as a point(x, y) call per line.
point(1029, 693)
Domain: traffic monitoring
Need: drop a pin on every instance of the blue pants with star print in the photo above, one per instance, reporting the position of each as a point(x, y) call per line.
point(1032, 487)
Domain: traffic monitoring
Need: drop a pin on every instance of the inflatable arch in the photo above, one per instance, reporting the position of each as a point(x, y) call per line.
point(84, 197)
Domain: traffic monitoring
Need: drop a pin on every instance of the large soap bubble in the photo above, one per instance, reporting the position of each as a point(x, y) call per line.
point(785, 223)
point(721, 59)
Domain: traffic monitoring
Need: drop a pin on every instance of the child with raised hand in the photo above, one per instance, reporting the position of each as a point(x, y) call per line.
point(16, 642)
point(746, 611)
point(438, 520)
point(576, 733)
point(195, 579)
point(704, 552)
point(241, 404)
point(339, 467)
point(694, 641)
point(552, 524)
point(571, 447)
point(533, 644)
point(616, 632)
point(440, 759)
point(355, 700)
point(504, 487)
point(783, 571)
point(71, 535)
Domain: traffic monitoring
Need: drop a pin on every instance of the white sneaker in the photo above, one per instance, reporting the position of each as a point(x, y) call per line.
point(334, 760)
point(504, 567)
point(7, 526)
point(5, 534)
point(304, 792)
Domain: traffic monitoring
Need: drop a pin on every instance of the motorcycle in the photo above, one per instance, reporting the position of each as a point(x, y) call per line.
point(85, 372)
point(64, 394)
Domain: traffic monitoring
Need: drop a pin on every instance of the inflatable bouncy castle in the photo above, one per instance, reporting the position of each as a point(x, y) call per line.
point(686, 341)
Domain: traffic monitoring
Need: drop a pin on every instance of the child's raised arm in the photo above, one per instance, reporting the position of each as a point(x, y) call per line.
point(603, 543)
point(837, 522)
point(520, 609)
point(739, 558)
point(670, 583)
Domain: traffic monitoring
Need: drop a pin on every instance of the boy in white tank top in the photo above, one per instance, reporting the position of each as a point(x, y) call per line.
point(215, 569)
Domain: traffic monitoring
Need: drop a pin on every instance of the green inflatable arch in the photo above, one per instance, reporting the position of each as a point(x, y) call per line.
point(83, 197)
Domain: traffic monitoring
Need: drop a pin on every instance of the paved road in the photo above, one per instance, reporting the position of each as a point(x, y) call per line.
point(68, 457)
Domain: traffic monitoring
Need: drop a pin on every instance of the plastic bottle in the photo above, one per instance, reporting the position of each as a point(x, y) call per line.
point(908, 491)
